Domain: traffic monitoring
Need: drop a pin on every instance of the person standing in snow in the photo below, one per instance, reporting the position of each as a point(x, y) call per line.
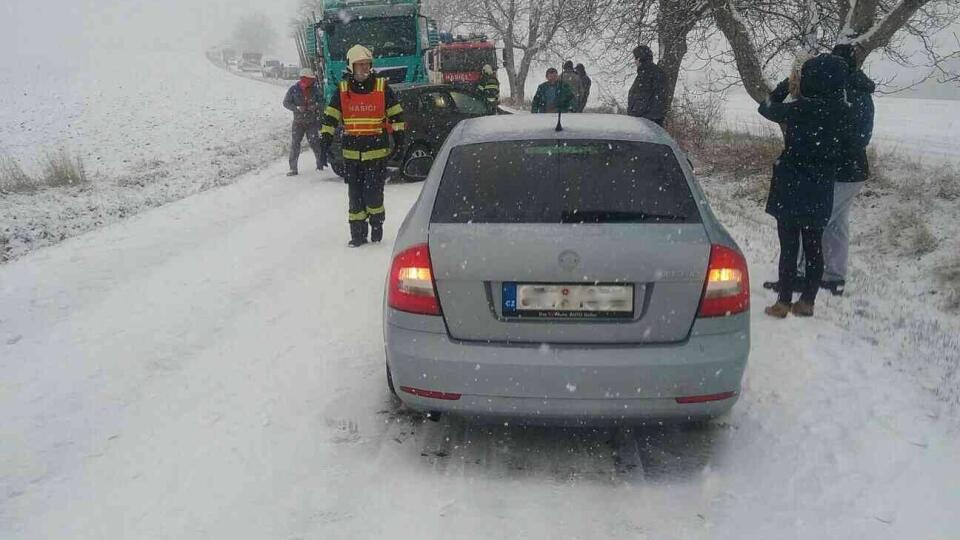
point(574, 82)
point(853, 175)
point(489, 88)
point(370, 112)
point(816, 137)
point(305, 99)
point(586, 83)
point(552, 96)
point(648, 95)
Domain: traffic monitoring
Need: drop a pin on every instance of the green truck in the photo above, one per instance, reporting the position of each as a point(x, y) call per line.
point(395, 30)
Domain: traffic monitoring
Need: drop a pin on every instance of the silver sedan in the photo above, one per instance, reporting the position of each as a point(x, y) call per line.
point(576, 276)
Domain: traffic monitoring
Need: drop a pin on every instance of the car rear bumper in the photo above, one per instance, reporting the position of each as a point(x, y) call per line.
point(583, 384)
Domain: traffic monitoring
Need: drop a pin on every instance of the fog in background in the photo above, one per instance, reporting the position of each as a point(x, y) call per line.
point(51, 33)
point(81, 30)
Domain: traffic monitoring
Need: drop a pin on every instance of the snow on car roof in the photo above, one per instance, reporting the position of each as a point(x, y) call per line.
point(575, 126)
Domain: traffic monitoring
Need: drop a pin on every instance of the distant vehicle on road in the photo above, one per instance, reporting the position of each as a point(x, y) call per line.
point(272, 69)
point(291, 72)
point(250, 61)
point(576, 277)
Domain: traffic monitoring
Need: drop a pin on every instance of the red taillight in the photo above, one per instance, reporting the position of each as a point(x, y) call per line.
point(432, 394)
point(411, 282)
point(727, 289)
point(687, 400)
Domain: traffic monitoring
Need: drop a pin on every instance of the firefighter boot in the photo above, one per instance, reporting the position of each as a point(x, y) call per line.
point(376, 232)
point(358, 234)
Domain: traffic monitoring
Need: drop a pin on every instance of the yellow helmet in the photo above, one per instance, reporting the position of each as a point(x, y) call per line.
point(358, 53)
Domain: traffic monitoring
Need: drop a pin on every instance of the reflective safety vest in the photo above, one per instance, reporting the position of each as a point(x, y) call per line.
point(364, 114)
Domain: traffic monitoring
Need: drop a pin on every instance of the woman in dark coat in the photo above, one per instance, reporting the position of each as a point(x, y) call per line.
point(816, 138)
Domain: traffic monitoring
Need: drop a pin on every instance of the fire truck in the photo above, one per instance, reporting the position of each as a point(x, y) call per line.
point(460, 60)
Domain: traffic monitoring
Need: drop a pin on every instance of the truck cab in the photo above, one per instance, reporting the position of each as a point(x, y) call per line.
point(394, 30)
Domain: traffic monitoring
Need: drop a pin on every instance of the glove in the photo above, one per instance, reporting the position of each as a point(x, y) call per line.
point(326, 140)
point(397, 144)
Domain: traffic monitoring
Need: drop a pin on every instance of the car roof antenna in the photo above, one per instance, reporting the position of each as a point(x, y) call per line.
point(559, 115)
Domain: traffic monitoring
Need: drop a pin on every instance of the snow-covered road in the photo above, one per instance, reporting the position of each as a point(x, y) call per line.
point(214, 369)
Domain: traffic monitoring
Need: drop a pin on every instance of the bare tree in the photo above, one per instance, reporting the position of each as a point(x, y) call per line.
point(527, 29)
point(620, 25)
point(762, 31)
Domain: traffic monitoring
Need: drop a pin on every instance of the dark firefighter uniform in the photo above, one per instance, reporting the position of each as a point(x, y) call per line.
point(369, 112)
point(489, 87)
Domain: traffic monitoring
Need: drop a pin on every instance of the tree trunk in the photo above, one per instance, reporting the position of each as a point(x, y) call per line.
point(510, 64)
point(677, 18)
point(733, 26)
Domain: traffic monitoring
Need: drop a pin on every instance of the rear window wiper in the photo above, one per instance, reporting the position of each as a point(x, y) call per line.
point(606, 216)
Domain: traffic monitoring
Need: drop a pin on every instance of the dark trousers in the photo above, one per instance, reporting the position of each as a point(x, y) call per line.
point(312, 131)
point(791, 239)
point(365, 181)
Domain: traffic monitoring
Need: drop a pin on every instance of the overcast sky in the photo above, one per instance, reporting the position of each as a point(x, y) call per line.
point(65, 28)
point(75, 30)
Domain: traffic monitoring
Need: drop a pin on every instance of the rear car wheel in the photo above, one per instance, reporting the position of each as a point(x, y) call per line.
point(417, 150)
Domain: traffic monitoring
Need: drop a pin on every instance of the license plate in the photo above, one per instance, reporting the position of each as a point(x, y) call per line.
point(559, 301)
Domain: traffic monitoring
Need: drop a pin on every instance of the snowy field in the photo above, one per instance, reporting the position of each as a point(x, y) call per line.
point(214, 369)
point(151, 128)
point(924, 129)
point(116, 109)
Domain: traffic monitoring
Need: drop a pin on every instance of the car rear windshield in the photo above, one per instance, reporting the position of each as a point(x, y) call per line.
point(564, 181)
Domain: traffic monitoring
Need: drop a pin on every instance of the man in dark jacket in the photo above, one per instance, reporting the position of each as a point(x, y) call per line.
point(553, 96)
point(854, 173)
point(574, 82)
point(305, 99)
point(370, 112)
point(648, 95)
point(587, 83)
point(816, 138)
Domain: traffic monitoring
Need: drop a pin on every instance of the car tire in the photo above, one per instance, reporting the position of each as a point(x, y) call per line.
point(415, 150)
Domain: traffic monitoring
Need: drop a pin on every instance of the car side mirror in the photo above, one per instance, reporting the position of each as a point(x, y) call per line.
point(418, 168)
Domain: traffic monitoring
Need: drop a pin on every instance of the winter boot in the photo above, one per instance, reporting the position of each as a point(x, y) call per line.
point(778, 310)
point(376, 232)
point(835, 287)
point(802, 309)
point(358, 233)
point(292, 173)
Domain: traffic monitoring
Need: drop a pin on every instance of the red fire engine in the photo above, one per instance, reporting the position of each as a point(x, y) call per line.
point(460, 60)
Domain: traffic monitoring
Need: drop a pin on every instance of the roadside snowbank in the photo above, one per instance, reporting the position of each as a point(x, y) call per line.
point(150, 128)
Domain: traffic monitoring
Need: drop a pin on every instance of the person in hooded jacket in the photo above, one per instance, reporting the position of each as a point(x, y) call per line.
point(648, 95)
point(817, 136)
point(587, 82)
point(305, 99)
point(853, 175)
point(574, 82)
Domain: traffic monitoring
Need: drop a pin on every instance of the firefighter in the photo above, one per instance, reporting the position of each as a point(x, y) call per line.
point(489, 87)
point(370, 112)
